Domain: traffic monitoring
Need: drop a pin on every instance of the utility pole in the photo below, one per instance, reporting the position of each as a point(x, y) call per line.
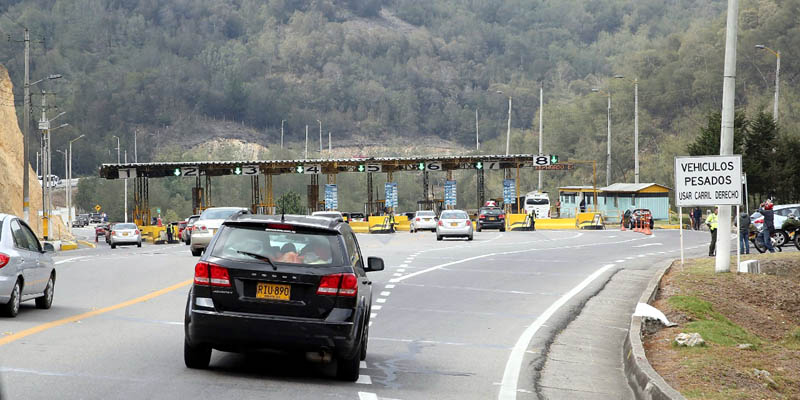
point(777, 86)
point(70, 178)
point(330, 148)
point(43, 124)
point(608, 143)
point(636, 130)
point(723, 257)
point(118, 159)
point(37, 164)
point(541, 138)
point(26, 112)
point(135, 152)
point(305, 154)
point(320, 138)
point(508, 133)
point(282, 121)
point(477, 135)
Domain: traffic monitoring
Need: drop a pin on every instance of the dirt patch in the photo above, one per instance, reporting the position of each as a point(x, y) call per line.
point(764, 307)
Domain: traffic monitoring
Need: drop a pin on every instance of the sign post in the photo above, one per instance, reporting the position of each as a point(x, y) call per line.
point(450, 194)
point(331, 197)
point(710, 181)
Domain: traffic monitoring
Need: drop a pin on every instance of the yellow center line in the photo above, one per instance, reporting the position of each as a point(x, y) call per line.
point(78, 317)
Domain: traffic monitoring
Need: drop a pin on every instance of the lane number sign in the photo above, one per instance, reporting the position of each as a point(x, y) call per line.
point(493, 165)
point(373, 168)
point(433, 166)
point(125, 173)
point(541, 160)
point(250, 170)
point(312, 169)
point(190, 171)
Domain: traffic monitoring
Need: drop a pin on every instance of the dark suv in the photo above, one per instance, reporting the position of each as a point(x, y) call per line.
point(290, 283)
point(492, 218)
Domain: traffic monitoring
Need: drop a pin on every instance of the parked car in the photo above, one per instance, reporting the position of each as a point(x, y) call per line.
point(492, 218)
point(207, 225)
point(80, 221)
point(27, 271)
point(423, 220)
point(95, 218)
point(632, 217)
point(187, 232)
point(782, 213)
point(454, 223)
point(125, 233)
point(288, 283)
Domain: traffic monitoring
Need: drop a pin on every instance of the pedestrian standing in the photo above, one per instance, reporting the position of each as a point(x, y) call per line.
point(698, 216)
point(769, 225)
point(558, 208)
point(691, 219)
point(744, 233)
point(713, 222)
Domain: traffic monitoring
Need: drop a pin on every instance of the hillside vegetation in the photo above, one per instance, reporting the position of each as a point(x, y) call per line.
point(376, 69)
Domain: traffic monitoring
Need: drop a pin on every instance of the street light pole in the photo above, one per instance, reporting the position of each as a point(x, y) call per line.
point(126, 190)
point(777, 79)
point(508, 132)
point(66, 181)
point(135, 150)
point(320, 138)
point(305, 154)
point(70, 180)
point(635, 126)
point(118, 159)
point(282, 121)
point(541, 137)
point(26, 112)
point(330, 148)
point(608, 139)
point(477, 133)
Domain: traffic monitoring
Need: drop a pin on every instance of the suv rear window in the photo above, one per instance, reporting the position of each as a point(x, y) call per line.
point(454, 215)
point(426, 214)
point(537, 202)
point(124, 226)
point(307, 248)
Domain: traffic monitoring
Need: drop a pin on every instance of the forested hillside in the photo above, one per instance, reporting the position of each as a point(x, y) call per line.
point(404, 69)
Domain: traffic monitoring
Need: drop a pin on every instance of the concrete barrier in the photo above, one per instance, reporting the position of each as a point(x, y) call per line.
point(556, 223)
point(152, 233)
point(68, 245)
point(359, 227)
point(515, 221)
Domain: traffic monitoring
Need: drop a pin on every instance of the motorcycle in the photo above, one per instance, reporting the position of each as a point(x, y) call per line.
point(775, 238)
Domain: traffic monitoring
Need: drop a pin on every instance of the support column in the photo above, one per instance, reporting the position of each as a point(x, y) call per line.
point(481, 189)
point(517, 187)
point(270, 196)
point(313, 194)
point(370, 199)
point(255, 195)
point(208, 192)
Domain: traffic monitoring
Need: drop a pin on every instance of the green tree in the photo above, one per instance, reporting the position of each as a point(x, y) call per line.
point(759, 156)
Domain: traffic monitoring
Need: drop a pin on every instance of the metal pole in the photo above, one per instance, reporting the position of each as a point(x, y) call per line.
point(680, 223)
point(541, 138)
point(777, 87)
point(508, 133)
point(738, 239)
point(477, 133)
point(26, 112)
point(126, 190)
point(37, 164)
point(69, 196)
point(330, 147)
point(45, 171)
point(608, 142)
point(135, 151)
point(723, 258)
point(636, 130)
point(282, 121)
point(320, 138)
point(305, 154)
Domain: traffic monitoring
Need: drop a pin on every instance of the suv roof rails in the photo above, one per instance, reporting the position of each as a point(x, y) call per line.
point(238, 214)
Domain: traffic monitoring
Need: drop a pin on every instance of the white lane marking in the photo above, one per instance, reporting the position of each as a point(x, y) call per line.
point(381, 300)
point(377, 307)
point(367, 396)
point(440, 266)
point(386, 293)
point(629, 258)
point(508, 387)
point(373, 315)
point(69, 259)
point(402, 265)
point(401, 270)
point(648, 244)
point(389, 286)
point(397, 274)
point(364, 380)
point(362, 364)
point(619, 261)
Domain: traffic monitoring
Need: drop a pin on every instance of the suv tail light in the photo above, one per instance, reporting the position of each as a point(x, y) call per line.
point(440, 223)
point(201, 228)
point(417, 219)
point(136, 232)
point(501, 216)
point(211, 274)
point(338, 285)
point(113, 233)
point(482, 216)
point(4, 259)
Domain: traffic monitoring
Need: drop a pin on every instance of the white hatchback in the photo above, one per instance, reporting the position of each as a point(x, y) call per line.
point(125, 233)
point(454, 223)
point(423, 220)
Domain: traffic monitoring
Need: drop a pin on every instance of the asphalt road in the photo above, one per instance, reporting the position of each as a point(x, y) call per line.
point(446, 319)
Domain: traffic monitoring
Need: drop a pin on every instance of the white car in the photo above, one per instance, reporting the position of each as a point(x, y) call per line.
point(334, 215)
point(125, 234)
point(423, 220)
point(454, 223)
point(782, 213)
point(208, 224)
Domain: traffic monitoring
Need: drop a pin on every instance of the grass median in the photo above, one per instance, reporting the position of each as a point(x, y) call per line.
point(750, 323)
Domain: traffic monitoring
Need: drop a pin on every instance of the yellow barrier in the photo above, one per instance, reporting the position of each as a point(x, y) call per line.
point(378, 222)
point(359, 227)
point(68, 245)
point(88, 244)
point(152, 233)
point(555, 224)
point(592, 220)
point(515, 221)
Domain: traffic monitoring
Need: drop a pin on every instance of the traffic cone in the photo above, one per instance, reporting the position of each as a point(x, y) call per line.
point(636, 226)
point(646, 230)
point(622, 225)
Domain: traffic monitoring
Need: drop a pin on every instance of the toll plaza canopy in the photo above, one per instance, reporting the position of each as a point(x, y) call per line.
point(321, 166)
point(262, 171)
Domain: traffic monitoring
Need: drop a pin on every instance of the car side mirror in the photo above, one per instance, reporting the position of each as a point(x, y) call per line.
point(48, 248)
point(374, 264)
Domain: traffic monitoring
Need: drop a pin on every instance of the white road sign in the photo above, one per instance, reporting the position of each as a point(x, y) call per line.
point(312, 169)
point(373, 168)
point(708, 181)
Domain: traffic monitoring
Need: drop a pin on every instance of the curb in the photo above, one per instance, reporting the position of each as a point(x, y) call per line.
point(645, 382)
point(89, 244)
point(68, 245)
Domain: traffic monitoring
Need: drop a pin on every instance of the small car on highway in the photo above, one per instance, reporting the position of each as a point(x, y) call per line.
point(124, 233)
point(631, 218)
point(289, 283)
point(491, 218)
point(207, 225)
point(187, 232)
point(423, 220)
point(454, 223)
point(27, 271)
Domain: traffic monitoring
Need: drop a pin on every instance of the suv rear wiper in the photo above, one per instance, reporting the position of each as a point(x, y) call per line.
point(259, 257)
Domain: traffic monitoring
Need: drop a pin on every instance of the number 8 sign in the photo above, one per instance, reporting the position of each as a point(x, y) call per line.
point(541, 160)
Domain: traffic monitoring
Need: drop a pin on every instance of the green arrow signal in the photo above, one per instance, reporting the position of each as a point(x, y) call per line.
point(421, 166)
point(361, 168)
point(177, 172)
point(237, 171)
point(479, 165)
point(553, 159)
point(299, 169)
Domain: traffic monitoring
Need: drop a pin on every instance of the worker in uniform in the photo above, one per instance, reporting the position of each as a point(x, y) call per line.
point(712, 221)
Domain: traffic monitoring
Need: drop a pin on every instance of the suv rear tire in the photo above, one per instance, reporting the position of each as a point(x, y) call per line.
point(196, 357)
point(197, 252)
point(11, 309)
point(347, 369)
point(45, 301)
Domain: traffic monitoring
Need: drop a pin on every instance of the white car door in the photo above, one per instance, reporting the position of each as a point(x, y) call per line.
point(29, 260)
